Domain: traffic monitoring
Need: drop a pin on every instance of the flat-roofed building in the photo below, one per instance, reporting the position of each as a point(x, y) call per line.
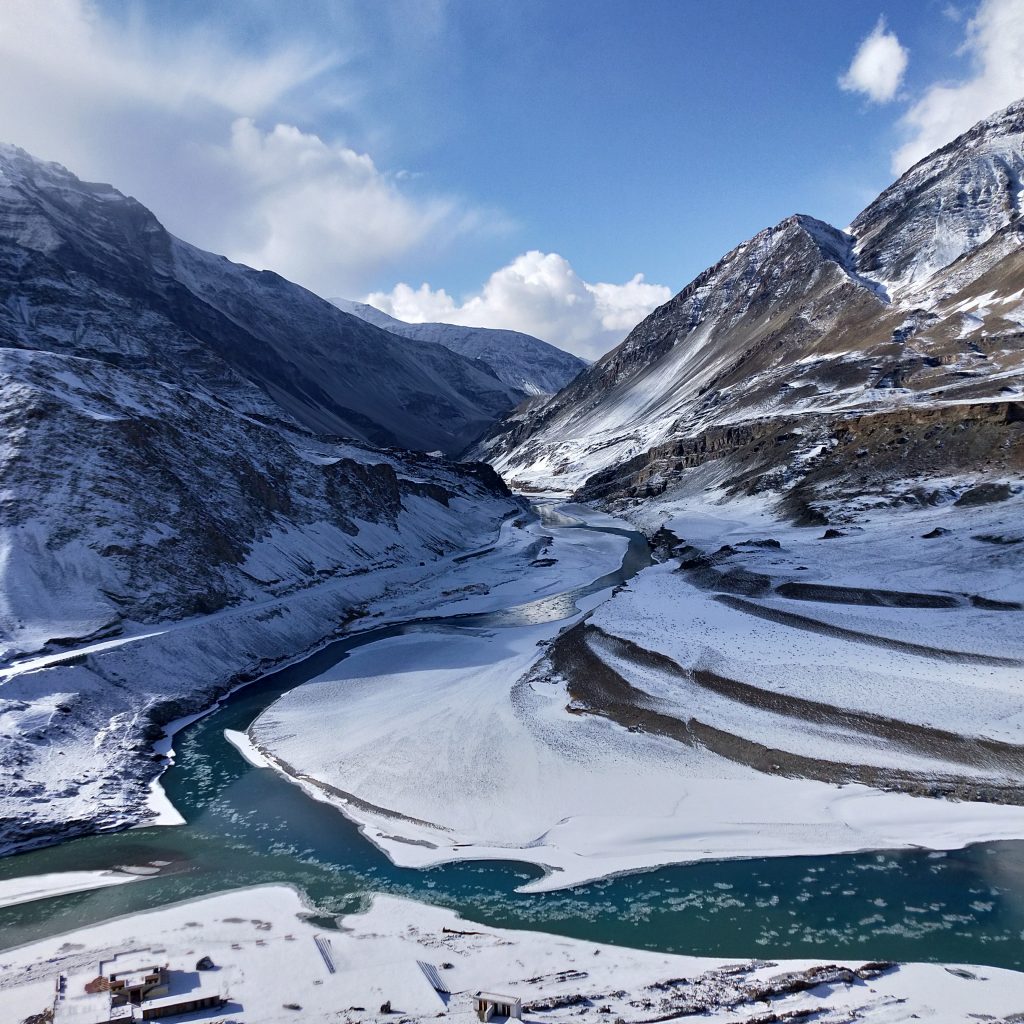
point(490, 1004)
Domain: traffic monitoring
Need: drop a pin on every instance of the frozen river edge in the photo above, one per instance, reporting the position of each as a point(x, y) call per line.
point(422, 962)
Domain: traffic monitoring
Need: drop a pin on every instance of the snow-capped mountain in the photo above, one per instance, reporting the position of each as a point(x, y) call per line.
point(520, 360)
point(813, 354)
point(91, 272)
point(947, 204)
point(178, 510)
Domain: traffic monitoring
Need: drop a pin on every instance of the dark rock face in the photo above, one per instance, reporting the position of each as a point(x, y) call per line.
point(91, 273)
point(808, 356)
point(985, 494)
point(879, 446)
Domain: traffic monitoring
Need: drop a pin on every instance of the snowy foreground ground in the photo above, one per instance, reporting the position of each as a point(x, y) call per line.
point(673, 725)
point(271, 969)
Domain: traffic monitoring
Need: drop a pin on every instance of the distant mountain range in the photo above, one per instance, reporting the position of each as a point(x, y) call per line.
point(520, 360)
point(811, 361)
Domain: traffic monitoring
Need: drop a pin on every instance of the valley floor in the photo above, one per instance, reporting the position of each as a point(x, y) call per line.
point(272, 966)
point(698, 713)
point(706, 709)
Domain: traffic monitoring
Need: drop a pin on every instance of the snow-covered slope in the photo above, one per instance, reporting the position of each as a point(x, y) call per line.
point(520, 360)
point(777, 354)
point(946, 205)
point(176, 506)
point(88, 271)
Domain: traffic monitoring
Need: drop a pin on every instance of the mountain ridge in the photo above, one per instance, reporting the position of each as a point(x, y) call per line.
point(804, 319)
point(222, 313)
point(191, 492)
point(522, 361)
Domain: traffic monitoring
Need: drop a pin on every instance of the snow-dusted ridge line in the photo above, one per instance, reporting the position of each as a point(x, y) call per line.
point(125, 286)
point(528, 364)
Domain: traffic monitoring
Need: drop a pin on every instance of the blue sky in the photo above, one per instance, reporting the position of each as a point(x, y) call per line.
point(524, 160)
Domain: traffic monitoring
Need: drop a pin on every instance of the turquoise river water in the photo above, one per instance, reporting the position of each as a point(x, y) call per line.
point(247, 826)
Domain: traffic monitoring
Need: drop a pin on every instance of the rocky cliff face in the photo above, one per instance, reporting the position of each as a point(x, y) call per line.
point(523, 362)
point(191, 492)
point(920, 305)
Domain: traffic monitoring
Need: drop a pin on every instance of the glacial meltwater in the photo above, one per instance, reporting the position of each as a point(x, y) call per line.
point(248, 826)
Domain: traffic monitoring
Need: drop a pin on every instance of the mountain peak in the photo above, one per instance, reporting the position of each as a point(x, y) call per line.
point(18, 166)
point(86, 260)
point(803, 321)
point(950, 202)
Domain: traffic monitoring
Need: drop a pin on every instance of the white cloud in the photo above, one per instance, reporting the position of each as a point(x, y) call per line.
point(994, 45)
point(171, 117)
point(62, 56)
point(322, 213)
point(878, 66)
point(539, 294)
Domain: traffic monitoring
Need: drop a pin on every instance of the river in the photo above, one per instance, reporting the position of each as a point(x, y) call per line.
point(247, 826)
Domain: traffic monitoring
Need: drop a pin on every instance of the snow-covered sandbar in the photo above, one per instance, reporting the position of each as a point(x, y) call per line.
point(59, 883)
point(479, 744)
point(451, 751)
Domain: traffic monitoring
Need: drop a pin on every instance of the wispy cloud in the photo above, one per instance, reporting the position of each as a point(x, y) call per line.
point(994, 46)
point(174, 116)
point(323, 213)
point(67, 46)
point(540, 294)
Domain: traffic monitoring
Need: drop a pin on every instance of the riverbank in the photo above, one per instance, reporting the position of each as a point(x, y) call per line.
point(80, 727)
point(40, 887)
point(272, 966)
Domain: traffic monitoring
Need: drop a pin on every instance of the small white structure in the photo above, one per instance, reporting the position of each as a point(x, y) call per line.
point(489, 1004)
